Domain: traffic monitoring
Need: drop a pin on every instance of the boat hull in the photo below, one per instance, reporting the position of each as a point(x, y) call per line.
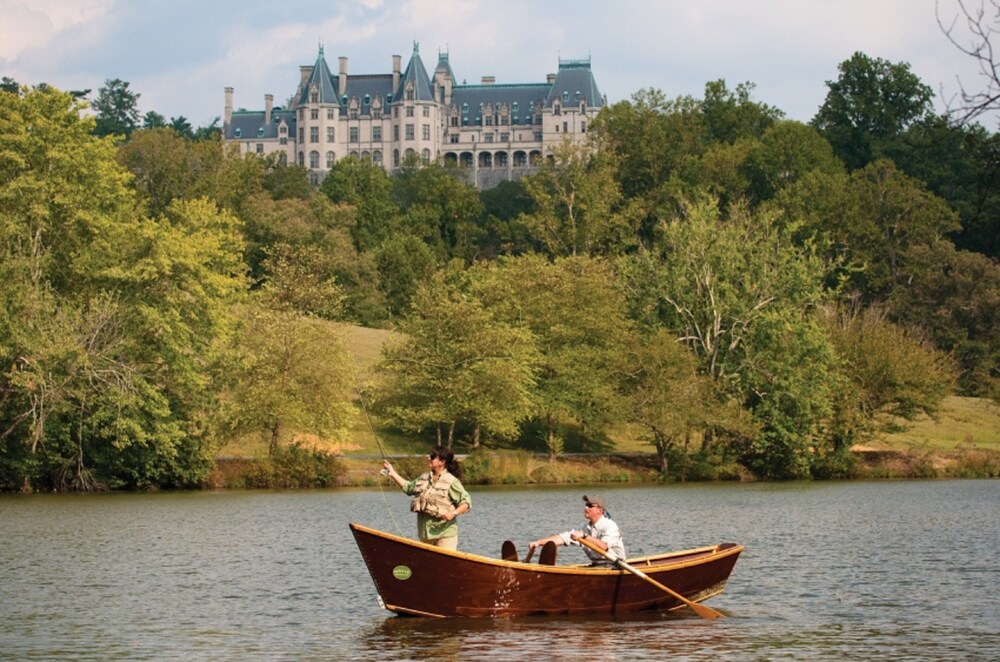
point(417, 579)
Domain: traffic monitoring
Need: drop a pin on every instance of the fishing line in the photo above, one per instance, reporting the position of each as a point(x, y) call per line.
point(383, 471)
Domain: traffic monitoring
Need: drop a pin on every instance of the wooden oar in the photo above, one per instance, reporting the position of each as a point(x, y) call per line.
point(701, 610)
point(531, 552)
point(507, 551)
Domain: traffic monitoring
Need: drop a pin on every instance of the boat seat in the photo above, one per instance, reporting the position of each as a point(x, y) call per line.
point(548, 555)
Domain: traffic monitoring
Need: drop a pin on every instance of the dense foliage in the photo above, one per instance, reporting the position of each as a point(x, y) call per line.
point(703, 274)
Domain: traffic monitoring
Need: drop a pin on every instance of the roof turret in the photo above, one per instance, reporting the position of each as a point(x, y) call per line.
point(415, 76)
point(320, 81)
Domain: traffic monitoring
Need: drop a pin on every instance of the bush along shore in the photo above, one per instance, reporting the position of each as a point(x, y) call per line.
point(298, 468)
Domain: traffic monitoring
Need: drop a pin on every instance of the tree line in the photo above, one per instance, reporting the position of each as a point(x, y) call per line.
point(705, 274)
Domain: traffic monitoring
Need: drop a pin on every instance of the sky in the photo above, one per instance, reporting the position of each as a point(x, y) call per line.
point(180, 55)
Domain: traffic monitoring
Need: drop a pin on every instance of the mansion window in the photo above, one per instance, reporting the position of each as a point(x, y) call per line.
point(377, 134)
point(409, 111)
point(427, 111)
point(313, 159)
point(395, 132)
point(488, 137)
point(329, 134)
point(426, 156)
point(314, 114)
point(329, 159)
point(409, 132)
point(538, 135)
point(302, 134)
point(504, 137)
point(353, 134)
point(329, 113)
point(425, 132)
point(314, 134)
point(453, 139)
point(260, 148)
point(454, 120)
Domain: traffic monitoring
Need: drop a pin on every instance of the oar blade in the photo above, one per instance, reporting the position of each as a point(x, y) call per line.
point(508, 552)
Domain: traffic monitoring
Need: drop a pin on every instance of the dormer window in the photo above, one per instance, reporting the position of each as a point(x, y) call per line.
point(514, 106)
point(260, 132)
point(238, 132)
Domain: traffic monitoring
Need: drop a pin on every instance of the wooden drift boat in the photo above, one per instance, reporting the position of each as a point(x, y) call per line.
point(413, 578)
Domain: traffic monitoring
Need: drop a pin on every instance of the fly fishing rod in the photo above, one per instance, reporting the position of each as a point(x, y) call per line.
point(385, 458)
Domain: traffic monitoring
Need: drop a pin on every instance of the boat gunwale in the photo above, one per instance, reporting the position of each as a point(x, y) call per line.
point(697, 556)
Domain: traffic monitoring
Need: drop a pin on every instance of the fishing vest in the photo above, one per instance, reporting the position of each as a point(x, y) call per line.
point(431, 496)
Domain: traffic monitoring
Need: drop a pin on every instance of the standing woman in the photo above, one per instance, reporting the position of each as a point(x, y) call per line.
point(438, 498)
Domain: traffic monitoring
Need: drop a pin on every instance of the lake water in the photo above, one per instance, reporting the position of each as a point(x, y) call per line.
point(832, 571)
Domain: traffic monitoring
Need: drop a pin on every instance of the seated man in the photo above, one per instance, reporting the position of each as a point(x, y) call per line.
point(599, 529)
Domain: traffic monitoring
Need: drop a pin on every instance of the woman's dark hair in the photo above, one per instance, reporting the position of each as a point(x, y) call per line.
point(448, 457)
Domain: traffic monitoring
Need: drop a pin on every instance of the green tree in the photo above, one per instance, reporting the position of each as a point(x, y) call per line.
point(153, 120)
point(960, 164)
point(455, 362)
point(575, 309)
point(365, 186)
point(576, 203)
point(954, 296)
point(871, 102)
point(787, 151)
point(731, 115)
point(868, 221)
point(182, 126)
point(291, 376)
point(117, 109)
point(113, 317)
point(439, 208)
point(667, 397)
point(404, 263)
point(738, 292)
point(894, 376)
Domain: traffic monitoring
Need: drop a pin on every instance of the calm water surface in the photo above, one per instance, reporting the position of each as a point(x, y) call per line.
point(847, 571)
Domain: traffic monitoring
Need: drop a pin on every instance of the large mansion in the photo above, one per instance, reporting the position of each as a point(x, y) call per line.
point(493, 131)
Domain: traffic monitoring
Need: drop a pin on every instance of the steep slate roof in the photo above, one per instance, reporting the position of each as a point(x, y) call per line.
point(323, 80)
point(368, 87)
point(469, 97)
point(415, 72)
point(444, 64)
point(574, 82)
point(249, 124)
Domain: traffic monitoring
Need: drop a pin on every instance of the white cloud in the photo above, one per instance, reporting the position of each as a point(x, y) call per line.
point(35, 24)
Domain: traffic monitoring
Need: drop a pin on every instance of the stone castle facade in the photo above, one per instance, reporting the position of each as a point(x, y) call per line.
point(494, 132)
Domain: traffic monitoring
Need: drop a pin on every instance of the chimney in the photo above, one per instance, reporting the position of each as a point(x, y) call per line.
point(228, 114)
point(397, 61)
point(550, 78)
point(489, 80)
point(305, 72)
point(342, 78)
point(268, 104)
